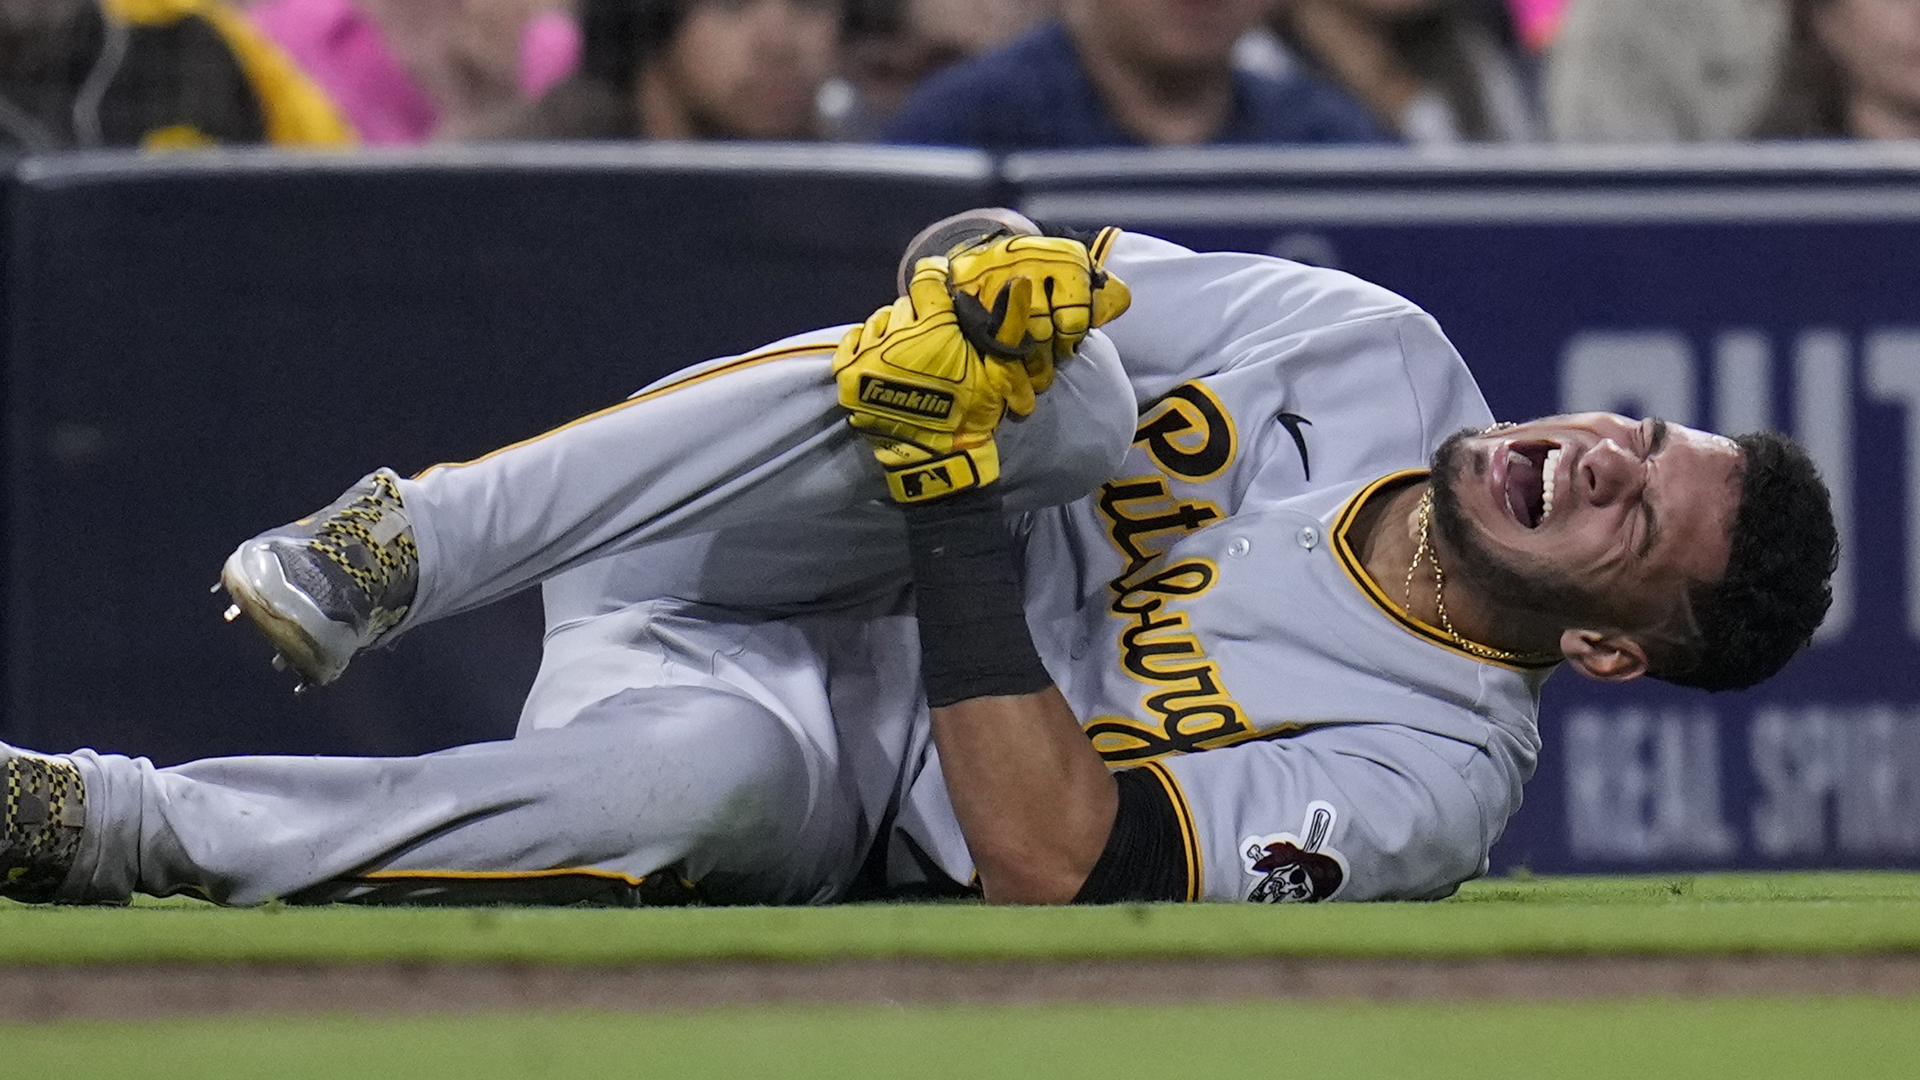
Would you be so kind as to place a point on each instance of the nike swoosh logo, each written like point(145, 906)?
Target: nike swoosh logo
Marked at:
point(1293, 422)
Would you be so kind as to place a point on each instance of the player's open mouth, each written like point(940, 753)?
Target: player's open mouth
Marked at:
point(1531, 468)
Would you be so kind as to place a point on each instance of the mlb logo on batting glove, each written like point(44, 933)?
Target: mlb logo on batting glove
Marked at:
point(928, 398)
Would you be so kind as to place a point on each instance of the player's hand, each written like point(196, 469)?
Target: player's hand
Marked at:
point(925, 396)
point(1070, 294)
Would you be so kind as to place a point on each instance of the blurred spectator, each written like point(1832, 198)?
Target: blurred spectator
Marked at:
point(1662, 70)
point(1435, 71)
point(892, 45)
point(1127, 73)
point(549, 52)
point(1536, 21)
point(406, 70)
point(692, 69)
point(1852, 70)
point(344, 51)
point(161, 74)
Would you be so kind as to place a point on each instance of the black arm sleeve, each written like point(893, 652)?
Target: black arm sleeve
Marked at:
point(974, 640)
point(1143, 858)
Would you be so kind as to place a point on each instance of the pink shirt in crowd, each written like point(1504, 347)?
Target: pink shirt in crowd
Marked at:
point(342, 49)
point(1536, 20)
point(549, 51)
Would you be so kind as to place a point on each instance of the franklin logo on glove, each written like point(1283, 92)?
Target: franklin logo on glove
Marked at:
point(911, 400)
point(928, 378)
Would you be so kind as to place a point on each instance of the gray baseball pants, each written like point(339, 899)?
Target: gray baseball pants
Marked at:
point(728, 696)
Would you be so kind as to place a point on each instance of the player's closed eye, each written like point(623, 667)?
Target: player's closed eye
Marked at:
point(1655, 431)
point(1653, 436)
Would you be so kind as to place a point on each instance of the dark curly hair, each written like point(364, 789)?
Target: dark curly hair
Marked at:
point(617, 36)
point(1777, 587)
point(1809, 95)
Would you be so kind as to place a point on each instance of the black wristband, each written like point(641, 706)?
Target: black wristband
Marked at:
point(1142, 859)
point(974, 640)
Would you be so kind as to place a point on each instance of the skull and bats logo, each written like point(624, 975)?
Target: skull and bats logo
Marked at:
point(1293, 870)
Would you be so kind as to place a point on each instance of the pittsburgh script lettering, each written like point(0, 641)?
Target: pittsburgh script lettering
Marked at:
point(1188, 435)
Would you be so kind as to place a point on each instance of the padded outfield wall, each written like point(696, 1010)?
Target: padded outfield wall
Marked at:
point(203, 346)
point(207, 345)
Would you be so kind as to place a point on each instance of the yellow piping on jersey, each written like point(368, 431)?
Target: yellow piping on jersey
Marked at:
point(1350, 562)
point(1103, 243)
point(498, 875)
point(747, 361)
point(1183, 814)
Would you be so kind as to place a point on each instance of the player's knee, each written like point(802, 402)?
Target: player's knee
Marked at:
point(1080, 435)
point(1108, 411)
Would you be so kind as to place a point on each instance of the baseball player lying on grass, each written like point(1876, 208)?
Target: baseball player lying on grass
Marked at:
point(1255, 602)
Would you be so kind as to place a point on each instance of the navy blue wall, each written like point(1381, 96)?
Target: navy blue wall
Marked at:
point(8, 165)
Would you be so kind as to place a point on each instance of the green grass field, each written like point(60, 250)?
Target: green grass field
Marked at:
point(1709, 914)
point(1703, 914)
point(1839, 1038)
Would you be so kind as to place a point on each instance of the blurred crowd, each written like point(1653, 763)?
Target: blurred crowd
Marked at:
point(995, 74)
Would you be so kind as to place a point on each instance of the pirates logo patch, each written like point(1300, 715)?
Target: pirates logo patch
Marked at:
point(1292, 870)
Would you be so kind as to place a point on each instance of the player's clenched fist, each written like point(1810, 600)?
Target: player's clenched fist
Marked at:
point(924, 394)
point(1070, 293)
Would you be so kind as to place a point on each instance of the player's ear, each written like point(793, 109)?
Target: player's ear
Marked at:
point(1607, 655)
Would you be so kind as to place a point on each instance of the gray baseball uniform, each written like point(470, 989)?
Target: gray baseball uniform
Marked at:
point(729, 697)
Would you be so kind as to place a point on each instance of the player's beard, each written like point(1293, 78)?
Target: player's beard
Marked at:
point(1471, 561)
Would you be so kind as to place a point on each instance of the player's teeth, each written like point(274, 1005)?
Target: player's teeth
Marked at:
point(1547, 471)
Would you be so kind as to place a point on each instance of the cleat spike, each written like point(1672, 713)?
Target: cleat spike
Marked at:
point(299, 688)
point(217, 586)
point(232, 612)
point(279, 662)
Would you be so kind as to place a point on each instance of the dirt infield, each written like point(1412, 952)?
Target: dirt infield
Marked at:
point(128, 992)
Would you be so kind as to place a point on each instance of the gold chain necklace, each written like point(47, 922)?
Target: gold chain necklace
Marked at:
point(1423, 552)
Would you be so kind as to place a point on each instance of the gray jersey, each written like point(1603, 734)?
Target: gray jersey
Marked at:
point(1189, 620)
point(1205, 598)
point(729, 688)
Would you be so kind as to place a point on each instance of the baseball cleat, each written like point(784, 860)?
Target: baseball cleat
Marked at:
point(40, 823)
point(331, 584)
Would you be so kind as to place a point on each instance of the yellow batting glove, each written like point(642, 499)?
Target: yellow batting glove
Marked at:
point(1071, 293)
point(924, 395)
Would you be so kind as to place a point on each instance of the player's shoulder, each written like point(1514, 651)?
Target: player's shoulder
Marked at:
point(1296, 292)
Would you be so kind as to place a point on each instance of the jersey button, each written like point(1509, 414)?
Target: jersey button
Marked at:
point(1239, 546)
point(1309, 536)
